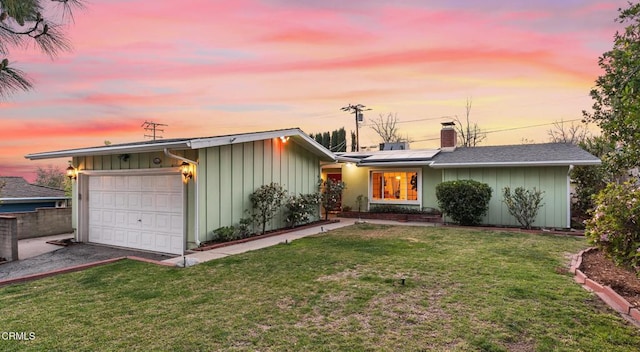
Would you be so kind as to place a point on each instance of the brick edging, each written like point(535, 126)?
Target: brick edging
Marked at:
point(79, 267)
point(607, 294)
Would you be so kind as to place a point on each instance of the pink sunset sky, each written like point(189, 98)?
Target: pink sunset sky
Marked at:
point(208, 68)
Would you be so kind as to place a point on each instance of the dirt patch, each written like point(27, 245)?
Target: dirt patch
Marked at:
point(603, 271)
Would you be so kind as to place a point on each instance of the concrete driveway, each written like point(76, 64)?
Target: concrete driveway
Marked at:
point(42, 257)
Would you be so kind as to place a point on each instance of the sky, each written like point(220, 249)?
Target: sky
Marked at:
point(207, 68)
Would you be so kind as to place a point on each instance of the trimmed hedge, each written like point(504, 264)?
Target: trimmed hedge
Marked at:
point(465, 201)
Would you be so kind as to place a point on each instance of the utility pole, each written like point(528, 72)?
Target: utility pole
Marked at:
point(153, 127)
point(357, 110)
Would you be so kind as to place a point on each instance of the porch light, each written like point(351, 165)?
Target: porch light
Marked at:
point(284, 139)
point(72, 173)
point(185, 169)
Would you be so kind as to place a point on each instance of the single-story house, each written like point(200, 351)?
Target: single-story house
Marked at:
point(409, 178)
point(18, 195)
point(168, 195)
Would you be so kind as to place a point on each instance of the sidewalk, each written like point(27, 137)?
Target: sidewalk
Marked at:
point(222, 252)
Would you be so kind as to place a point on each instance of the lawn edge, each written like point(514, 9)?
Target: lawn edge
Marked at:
point(607, 294)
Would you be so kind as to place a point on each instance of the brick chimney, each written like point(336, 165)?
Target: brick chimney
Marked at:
point(448, 137)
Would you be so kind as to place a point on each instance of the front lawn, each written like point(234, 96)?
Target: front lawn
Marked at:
point(464, 291)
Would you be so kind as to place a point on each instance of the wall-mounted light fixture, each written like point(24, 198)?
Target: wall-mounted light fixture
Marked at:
point(284, 139)
point(185, 169)
point(72, 173)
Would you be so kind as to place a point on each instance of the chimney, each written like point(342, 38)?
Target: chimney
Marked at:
point(448, 137)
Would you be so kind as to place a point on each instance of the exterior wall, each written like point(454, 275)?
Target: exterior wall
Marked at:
point(228, 174)
point(8, 237)
point(552, 180)
point(356, 180)
point(43, 222)
point(136, 162)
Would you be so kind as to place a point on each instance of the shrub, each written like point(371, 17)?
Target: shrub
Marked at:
point(523, 204)
point(225, 234)
point(465, 201)
point(394, 209)
point(301, 208)
point(331, 195)
point(614, 226)
point(266, 202)
point(361, 200)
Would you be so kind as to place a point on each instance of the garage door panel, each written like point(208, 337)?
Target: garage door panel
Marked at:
point(142, 212)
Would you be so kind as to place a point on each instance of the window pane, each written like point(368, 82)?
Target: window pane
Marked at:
point(412, 189)
point(377, 185)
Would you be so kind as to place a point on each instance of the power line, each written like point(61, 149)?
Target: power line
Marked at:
point(505, 129)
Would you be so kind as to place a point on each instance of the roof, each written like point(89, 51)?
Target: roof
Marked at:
point(191, 143)
point(548, 154)
point(19, 188)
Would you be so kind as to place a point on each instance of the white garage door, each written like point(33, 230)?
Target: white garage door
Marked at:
point(142, 212)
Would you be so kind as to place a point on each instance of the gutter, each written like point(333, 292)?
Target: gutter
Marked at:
point(197, 200)
point(437, 165)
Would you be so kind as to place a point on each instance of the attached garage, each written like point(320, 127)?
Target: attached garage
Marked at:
point(137, 211)
point(170, 195)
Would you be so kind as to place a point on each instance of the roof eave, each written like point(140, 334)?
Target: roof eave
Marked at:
point(109, 150)
point(396, 163)
point(437, 165)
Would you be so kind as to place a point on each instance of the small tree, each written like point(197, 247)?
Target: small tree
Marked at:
point(465, 201)
point(266, 202)
point(331, 195)
point(469, 135)
point(386, 128)
point(523, 204)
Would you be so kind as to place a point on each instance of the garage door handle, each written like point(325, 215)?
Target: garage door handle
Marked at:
point(139, 220)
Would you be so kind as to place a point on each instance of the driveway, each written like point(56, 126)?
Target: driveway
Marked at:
point(65, 257)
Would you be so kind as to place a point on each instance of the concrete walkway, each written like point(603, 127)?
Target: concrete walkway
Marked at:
point(32, 247)
point(205, 256)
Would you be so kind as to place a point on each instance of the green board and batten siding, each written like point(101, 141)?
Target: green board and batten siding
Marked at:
point(228, 174)
point(553, 181)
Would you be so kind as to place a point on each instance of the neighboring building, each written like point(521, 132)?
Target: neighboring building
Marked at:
point(409, 177)
point(169, 195)
point(18, 195)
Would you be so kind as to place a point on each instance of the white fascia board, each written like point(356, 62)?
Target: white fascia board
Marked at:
point(345, 159)
point(240, 138)
point(397, 163)
point(295, 133)
point(515, 164)
point(108, 150)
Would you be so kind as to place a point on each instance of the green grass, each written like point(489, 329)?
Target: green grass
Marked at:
point(464, 291)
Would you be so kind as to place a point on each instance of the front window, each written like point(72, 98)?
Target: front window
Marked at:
point(394, 185)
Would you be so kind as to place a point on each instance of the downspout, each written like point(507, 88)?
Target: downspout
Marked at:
point(569, 196)
point(197, 201)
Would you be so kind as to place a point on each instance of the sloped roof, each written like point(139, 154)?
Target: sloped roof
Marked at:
point(18, 187)
point(191, 143)
point(548, 154)
point(390, 157)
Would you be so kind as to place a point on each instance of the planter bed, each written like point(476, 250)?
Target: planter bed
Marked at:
point(212, 245)
point(392, 216)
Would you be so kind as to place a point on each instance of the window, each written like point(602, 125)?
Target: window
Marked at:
point(394, 186)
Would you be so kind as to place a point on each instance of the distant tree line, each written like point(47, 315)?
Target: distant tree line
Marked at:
point(336, 140)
